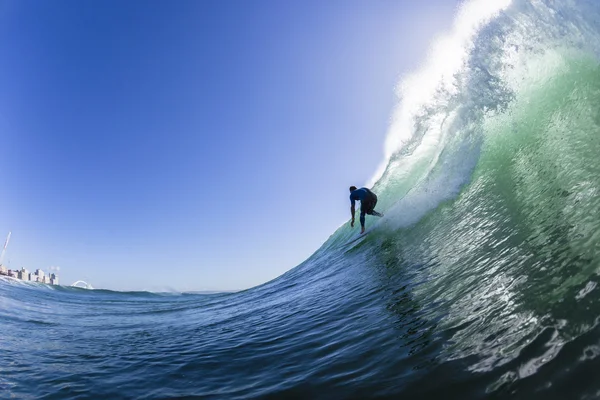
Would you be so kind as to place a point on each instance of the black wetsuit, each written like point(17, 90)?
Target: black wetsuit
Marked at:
point(368, 201)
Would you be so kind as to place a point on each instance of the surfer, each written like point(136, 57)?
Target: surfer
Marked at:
point(368, 201)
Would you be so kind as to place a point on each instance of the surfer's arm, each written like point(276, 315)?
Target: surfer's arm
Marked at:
point(352, 213)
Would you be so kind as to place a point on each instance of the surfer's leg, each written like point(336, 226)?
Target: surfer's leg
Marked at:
point(375, 213)
point(370, 207)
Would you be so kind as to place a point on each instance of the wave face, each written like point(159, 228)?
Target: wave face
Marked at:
point(481, 281)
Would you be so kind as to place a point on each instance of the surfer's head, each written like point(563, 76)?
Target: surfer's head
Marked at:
point(352, 188)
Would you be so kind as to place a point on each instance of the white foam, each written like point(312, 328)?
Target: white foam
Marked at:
point(447, 56)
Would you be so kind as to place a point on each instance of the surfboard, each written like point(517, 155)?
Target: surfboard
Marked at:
point(367, 231)
point(359, 237)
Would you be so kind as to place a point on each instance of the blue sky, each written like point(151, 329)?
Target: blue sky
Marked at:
point(194, 145)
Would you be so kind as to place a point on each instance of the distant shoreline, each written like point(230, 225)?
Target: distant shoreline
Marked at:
point(37, 277)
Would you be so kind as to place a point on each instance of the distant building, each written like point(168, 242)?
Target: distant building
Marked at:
point(37, 276)
point(23, 274)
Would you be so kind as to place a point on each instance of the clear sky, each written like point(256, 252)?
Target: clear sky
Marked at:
point(194, 145)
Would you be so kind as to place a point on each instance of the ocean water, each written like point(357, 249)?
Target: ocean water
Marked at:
point(480, 282)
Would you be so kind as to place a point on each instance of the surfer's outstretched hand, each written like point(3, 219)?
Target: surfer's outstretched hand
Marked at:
point(352, 223)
